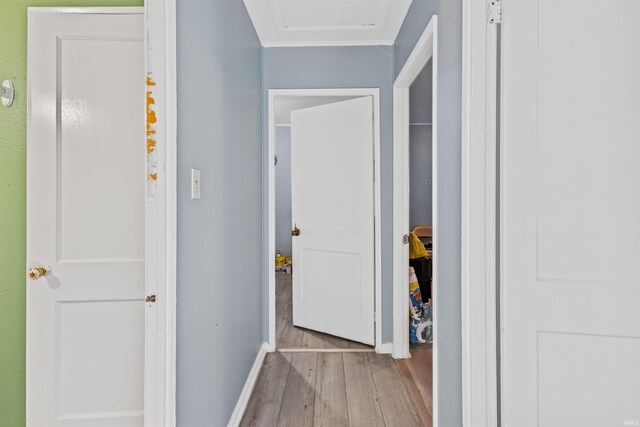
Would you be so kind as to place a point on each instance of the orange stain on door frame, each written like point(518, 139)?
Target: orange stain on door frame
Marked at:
point(152, 120)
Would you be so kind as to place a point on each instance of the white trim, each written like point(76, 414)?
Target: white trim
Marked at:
point(269, 271)
point(245, 395)
point(330, 43)
point(479, 317)
point(425, 50)
point(127, 10)
point(325, 350)
point(160, 336)
point(386, 348)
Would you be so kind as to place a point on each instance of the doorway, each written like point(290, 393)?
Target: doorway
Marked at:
point(303, 112)
point(418, 78)
point(415, 223)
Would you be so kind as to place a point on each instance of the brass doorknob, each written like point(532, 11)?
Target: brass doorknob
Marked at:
point(37, 272)
point(295, 231)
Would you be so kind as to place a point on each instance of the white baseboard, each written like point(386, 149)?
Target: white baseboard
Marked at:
point(243, 400)
point(386, 348)
point(399, 352)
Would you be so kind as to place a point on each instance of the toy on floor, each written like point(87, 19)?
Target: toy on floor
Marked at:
point(421, 315)
point(284, 264)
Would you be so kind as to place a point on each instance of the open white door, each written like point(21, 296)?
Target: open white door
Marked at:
point(85, 218)
point(333, 209)
point(571, 213)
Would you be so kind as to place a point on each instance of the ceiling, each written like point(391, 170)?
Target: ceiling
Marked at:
point(327, 22)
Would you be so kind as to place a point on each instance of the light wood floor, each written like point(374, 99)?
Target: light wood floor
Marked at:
point(305, 389)
point(292, 337)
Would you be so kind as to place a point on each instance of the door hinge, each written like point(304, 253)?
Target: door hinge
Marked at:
point(405, 239)
point(494, 14)
point(275, 160)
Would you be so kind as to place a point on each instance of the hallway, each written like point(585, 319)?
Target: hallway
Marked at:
point(350, 385)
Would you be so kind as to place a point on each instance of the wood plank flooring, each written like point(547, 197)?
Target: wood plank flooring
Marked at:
point(292, 337)
point(417, 373)
point(318, 389)
point(338, 389)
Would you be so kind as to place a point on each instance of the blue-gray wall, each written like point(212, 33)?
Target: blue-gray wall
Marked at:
point(283, 190)
point(345, 67)
point(420, 161)
point(420, 149)
point(447, 253)
point(421, 96)
point(219, 237)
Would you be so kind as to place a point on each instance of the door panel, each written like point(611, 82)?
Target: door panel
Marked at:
point(332, 205)
point(97, 159)
point(85, 209)
point(570, 229)
point(95, 354)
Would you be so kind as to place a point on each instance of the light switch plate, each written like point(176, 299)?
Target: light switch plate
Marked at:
point(195, 183)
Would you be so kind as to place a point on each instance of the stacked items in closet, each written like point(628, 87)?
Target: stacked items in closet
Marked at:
point(421, 315)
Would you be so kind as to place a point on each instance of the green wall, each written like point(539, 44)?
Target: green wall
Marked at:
point(13, 66)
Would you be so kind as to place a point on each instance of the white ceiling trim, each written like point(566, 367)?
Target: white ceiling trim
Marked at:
point(327, 22)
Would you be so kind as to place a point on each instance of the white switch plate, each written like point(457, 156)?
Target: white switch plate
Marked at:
point(195, 183)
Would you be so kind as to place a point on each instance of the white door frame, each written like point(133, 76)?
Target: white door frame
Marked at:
point(269, 271)
point(160, 215)
point(426, 49)
point(479, 199)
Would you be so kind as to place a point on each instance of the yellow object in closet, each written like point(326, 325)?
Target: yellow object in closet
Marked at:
point(416, 247)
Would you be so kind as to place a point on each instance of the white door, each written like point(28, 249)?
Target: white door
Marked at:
point(85, 219)
point(571, 213)
point(332, 206)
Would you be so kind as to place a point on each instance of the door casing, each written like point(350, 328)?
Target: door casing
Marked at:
point(269, 271)
point(161, 213)
point(480, 322)
point(479, 261)
point(426, 50)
